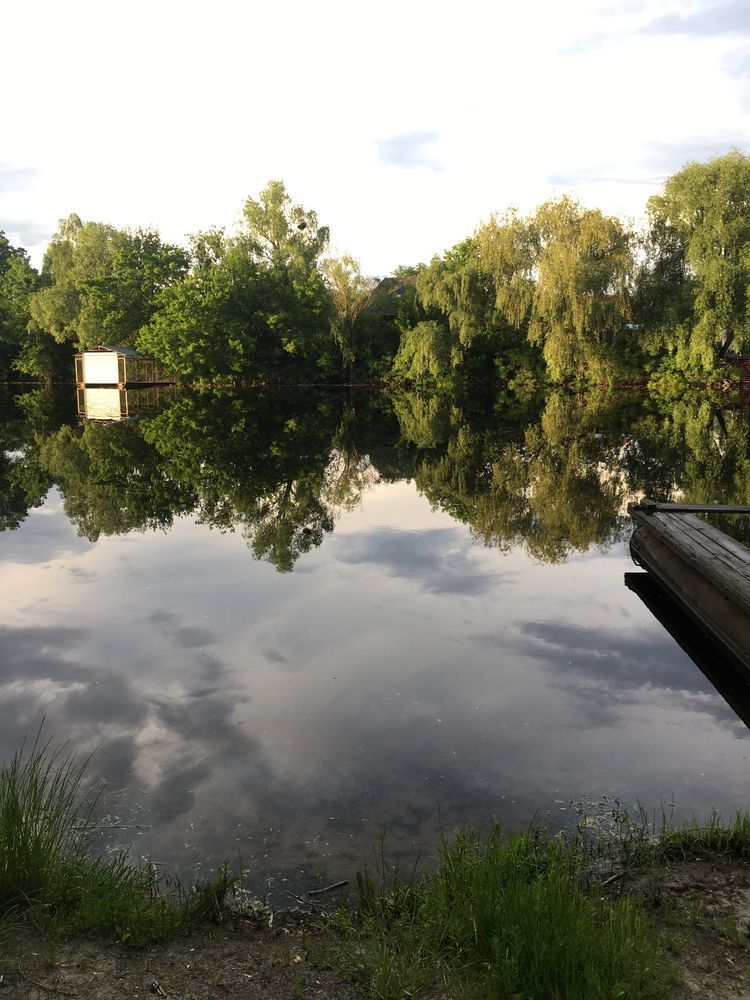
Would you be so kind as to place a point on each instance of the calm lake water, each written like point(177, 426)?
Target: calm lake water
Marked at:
point(286, 621)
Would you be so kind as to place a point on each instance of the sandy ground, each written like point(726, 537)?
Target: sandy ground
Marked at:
point(702, 910)
point(241, 958)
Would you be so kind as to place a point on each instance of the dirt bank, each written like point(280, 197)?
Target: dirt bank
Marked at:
point(701, 909)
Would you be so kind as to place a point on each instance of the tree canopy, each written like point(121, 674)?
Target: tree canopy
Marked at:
point(699, 243)
point(100, 284)
point(565, 294)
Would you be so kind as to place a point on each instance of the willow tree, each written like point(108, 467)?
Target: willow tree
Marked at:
point(427, 352)
point(458, 286)
point(699, 268)
point(564, 275)
point(457, 322)
point(350, 293)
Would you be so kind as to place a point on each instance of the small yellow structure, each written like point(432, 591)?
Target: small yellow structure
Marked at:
point(110, 365)
point(108, 404)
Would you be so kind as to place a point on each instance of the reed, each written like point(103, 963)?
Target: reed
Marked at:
point(47, 877)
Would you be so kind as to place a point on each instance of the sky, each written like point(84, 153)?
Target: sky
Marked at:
point(403, 124)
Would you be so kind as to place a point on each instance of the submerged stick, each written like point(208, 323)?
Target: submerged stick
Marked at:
point(328, 888)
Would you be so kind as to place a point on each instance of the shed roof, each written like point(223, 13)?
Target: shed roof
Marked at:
point(127, 352)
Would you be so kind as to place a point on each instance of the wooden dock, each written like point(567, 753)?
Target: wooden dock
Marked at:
point(704, 570)
point(708, 656)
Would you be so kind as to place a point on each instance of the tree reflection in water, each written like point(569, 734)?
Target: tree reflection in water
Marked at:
point(553, 476)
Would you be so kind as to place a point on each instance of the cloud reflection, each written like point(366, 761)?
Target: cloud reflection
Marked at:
point(605, 669)
point(438, 559)
point(45, 535)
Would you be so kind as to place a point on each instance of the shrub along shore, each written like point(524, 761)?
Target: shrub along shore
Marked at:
point(639, 914)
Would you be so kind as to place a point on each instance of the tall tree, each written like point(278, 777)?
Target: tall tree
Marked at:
point(284, 234)
point(699, 271)
point(565, 274)
point(351, 292)
point(100, 283)
point(458, 286)
point(286, 242)
point(18, 280)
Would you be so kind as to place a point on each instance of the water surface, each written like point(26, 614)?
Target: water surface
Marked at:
point(285, 622)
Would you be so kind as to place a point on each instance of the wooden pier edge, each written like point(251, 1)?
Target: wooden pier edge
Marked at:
point(706, 572)
point(710, 659)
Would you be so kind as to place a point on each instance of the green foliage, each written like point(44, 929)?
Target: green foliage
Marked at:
point(565, 286)
point(559, 281)
point(111, 480)
point(46, 875)
point(350, 294)
point(254, 307)
point(450, 324)
point(426, 353)
point(208, 326)
point(460, 289)
point(425, 419)
point(509, 247)
point(564, 275)
point(545, 481)
point(551, 475)
point(24, 421)
point(18, 280)
point(283, 234)
point(699, 271)
point(502, 916)
point(255, 466)
point(100, 284)
point(286, 242)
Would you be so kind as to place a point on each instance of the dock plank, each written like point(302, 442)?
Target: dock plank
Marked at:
point(707, 572)
point(718, 612)
point(701, 542)
point(724, 562)
point(713, 535)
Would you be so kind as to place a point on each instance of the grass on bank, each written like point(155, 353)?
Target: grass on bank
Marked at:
point(644, 843)
point(504, 916)
point(47, 878)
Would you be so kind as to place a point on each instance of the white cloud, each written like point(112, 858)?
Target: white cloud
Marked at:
point(171, 114)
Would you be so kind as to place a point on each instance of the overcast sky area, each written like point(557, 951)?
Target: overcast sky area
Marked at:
point(403, 124)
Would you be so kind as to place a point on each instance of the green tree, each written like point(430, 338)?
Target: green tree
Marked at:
point(565, 274)
point(286, 242)
point(101, 284)
point(458, 286)
point(253, 306)
point(18, 280)
point(697, 278)
point(426, 353)
point(210, 324)
point(284, 235)
point(350, 293)
point(474, 335)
